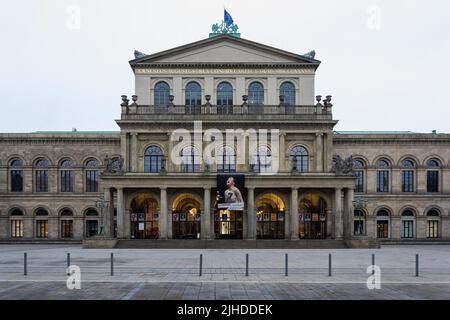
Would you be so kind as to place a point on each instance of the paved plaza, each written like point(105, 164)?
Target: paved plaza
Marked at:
point(175, 273)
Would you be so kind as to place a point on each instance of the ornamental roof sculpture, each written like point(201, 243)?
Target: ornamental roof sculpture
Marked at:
point(227, 26)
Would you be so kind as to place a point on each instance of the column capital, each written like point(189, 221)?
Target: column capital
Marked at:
point(163, 188)
point(319, 134)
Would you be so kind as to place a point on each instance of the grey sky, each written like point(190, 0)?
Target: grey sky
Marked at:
point(390, 73)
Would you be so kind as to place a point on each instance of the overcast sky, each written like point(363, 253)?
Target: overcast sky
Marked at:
point(386, 62)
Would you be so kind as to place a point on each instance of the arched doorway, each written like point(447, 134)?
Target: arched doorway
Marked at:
point(144, 217)
point(383, 220)
point(270, 210)
point(312, 217)
point(186, 217)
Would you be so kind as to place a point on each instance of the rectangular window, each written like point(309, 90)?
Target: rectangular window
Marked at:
point(91, 181)
point(16, 181)
point(41, 180)
point(432, 229)
point(359, 185)
point(66, 228)
point(382, 181)
point(16, 228)
point(432, 181)
point(67, 180)
point(408, 181)
point(407, 229)
point(41, 228)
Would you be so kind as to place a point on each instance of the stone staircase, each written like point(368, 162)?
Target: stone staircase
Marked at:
point(230, 244)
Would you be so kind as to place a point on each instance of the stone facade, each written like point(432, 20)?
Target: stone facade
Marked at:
point(127, 185)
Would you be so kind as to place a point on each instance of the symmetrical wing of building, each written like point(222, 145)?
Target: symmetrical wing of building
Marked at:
point(315, 183)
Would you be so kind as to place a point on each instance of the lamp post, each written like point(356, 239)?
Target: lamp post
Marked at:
point(101, 203)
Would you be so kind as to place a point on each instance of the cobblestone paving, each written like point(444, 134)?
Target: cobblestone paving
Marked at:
point(174, 274)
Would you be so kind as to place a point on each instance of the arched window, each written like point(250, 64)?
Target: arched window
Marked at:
point(153, 159)
point(224, 94)
point(383, 169)
point(91, 175)
point(16, 222)
point(256, 93)
point(433, 175)
point(16, 174)
point(408, 167)
point(41, 175)
point(66, 175)
point(66, 217)
point(359, 223)
point(226, 160)
point(383, 224)
point(407, 224)
point(287, 90)
point(299, 159)
point(161, 94)
point(41, 223)
point(190, 159)
point(262, 160)
point(358, 168)
point(433, 218)
point(193, 94)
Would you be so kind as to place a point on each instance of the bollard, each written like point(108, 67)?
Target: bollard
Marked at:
point(246, 264)
point(286, 260)
point(417, 265)
point(68, 260)
point(112, 264)
point(201, 265)
point(329, 264)
point(25, 271)
point(373, 263)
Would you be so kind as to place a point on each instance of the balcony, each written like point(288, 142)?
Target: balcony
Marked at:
point(227, 113)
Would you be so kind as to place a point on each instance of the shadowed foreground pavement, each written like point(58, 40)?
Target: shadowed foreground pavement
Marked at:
point(218, 290)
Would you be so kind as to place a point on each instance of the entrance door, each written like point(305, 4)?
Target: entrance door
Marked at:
point(144, 218)
point(382, 229)
point(270, 217)
point(228, 224)
point(312, 217)
point(186, 217)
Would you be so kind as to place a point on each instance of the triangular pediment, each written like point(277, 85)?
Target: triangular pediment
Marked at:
point(225, 50)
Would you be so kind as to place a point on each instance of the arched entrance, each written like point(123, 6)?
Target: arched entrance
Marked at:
point(144, 217)
point(270, 210)
point(312, 217)
point(186, 217)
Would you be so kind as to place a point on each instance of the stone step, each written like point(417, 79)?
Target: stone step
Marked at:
point(230, 244)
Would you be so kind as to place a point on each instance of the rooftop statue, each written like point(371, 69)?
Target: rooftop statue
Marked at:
point(227, 26)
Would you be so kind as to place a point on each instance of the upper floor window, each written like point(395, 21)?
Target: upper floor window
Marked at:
point(262, 160)
point(358, 167)
point(161, 94)
point(226, 160)
point(224, 94)
point(190, 159)
point(153, 159)
point(433, 175)
point(91, 175)
point(383, 169)
point(16, 174)
point(256, 93)
point(287, 90)
point(408, 167)
point(193, 94)
point(299, 159)
point(66, 175)
point(41, 175)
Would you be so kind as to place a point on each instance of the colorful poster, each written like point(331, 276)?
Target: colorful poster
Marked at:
point(230, 189)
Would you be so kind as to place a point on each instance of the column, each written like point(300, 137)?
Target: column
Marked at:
point(126, 224)
point(107, 214)
point(319, 152)
point(294, 214)
point(206, 215)
point(348, 212)
point(124, 149)
point(163, 214)
point(251, 221)
point(338, 225)
point(120, 214)
point(284, 165)
point(134, 155)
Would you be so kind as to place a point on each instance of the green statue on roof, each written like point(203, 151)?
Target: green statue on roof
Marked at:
point(226, 27)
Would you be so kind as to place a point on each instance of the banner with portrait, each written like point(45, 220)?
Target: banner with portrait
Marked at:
point(230, 190)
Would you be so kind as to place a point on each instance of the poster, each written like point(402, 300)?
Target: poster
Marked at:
point(141, 226)
point(230, 188)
